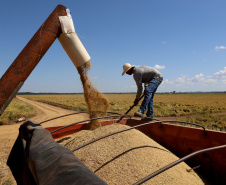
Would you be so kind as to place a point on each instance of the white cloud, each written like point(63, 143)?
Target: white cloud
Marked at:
point(220, 47)
point(96, 77)
point(196, 79)
point(220, 74)
point(164, 42)
point(159, 67)
point(180, 80)
point(166, 81)
point(199, 79)
point(210, 81)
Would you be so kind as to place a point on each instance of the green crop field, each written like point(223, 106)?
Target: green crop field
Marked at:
point(207, 109)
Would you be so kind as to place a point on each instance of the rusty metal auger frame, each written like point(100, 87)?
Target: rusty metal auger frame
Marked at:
point(26, 61)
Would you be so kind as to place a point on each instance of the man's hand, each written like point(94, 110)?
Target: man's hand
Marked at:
point(136, 101)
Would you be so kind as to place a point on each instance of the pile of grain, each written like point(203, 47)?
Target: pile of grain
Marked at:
point(97, 104)
point(127, 157)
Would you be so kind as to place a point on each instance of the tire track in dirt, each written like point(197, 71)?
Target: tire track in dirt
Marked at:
point(9, 133)
point(46, 112)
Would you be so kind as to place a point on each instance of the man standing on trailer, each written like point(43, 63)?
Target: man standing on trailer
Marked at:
point(151, 78)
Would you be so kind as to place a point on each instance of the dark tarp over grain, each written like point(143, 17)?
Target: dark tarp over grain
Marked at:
point(37, 159)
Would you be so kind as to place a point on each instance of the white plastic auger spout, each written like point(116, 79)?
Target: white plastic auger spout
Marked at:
point(71, 43)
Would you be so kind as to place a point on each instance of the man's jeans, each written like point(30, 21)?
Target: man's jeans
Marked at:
point(147, 103)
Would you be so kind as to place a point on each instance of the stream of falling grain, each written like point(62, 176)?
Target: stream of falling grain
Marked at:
point(97, 103)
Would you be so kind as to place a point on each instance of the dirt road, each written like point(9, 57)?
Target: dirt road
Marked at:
point(9, 133)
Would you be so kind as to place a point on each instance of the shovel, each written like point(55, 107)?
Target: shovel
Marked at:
point(129, 109)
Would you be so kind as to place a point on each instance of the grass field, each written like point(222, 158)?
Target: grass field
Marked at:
point(205, 109)
point(15, 110)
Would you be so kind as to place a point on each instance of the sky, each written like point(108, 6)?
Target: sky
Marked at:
point(184, 40)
